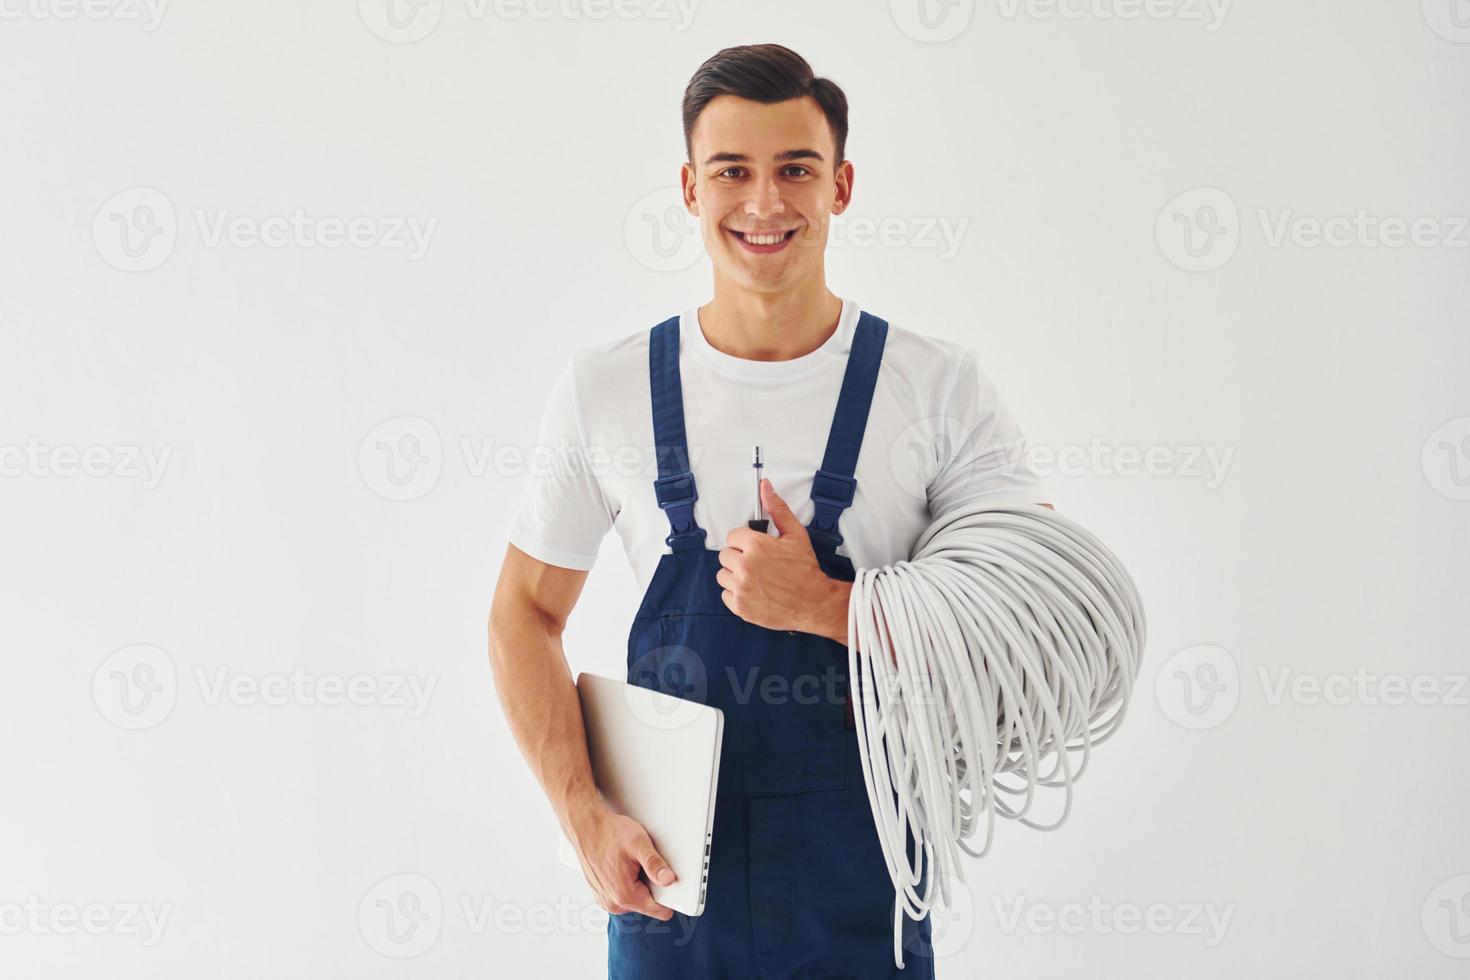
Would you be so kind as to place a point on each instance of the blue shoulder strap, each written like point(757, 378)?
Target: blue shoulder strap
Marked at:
point(834, 485)
point(674, 487)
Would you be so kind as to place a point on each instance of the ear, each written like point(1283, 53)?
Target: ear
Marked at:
point(688, 190)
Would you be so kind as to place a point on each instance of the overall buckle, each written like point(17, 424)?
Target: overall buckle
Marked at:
point(667, 490)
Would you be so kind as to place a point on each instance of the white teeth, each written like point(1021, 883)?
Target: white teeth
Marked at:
point(763, 239)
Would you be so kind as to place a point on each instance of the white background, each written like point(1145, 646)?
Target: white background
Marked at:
point(291, 388)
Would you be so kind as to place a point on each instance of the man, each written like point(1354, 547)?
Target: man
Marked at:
point(879, 428)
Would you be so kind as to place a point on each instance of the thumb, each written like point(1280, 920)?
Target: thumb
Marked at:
point(781, 514)
point(653, 863)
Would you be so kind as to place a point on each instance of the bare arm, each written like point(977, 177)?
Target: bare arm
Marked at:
point(532, 603)
point(528, 614)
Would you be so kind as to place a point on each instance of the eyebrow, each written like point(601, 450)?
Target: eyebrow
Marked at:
point(785, 156)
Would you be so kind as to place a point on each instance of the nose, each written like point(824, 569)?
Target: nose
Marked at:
point(765, 198)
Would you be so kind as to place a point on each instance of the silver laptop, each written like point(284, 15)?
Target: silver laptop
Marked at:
point(656, 758)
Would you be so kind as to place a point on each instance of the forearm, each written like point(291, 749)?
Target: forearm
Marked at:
point(540, 703)
point(831, 615)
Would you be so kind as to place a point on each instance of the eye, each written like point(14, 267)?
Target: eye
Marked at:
point(728, 170)
point(796, 166)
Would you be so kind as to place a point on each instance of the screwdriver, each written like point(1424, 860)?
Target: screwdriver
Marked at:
point(760, 523)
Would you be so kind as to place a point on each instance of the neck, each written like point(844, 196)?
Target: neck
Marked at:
point(770, 326)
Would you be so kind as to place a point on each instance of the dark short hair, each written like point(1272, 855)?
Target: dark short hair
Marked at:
point(763, 73)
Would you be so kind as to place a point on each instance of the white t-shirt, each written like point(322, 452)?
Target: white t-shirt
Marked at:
point(938, 435)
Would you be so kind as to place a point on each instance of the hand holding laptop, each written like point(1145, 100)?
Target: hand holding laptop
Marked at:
point(616, 852)
point(655, 759)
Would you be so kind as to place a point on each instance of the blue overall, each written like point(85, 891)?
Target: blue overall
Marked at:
point(797, 882)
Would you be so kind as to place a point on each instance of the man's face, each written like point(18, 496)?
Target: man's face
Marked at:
point(764, 184)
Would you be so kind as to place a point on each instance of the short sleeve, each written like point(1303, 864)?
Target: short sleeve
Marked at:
point(563, 514)
point(983, 448)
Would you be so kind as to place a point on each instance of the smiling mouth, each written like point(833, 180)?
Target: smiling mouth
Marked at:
point(765, 242)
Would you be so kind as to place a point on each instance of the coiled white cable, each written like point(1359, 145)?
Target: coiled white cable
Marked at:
point(1012, 640)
